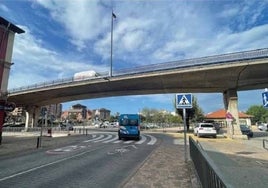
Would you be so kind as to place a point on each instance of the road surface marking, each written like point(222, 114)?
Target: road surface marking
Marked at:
point(48, 164)
point(107, 138)
point(143, 139)
point(97, 138)
point(153, 140)
point(111, 140)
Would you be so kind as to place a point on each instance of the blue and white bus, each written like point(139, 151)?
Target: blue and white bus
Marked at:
point(129, 126)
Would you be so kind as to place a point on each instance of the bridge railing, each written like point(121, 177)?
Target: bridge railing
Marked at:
point(216, 59)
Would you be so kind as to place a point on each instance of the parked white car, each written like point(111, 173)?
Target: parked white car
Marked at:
point(205, 129)
point(263, 127)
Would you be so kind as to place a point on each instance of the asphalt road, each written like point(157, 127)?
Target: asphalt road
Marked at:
point(96, 160)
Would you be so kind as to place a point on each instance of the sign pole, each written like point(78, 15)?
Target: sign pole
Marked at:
point(185, 144)
point(183, 101)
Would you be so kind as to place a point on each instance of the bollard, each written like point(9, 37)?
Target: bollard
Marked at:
point(49, 132)
point(37, 145)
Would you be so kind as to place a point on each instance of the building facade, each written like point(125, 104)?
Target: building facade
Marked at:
point(101, 114)
point(77, 113)
point(220, 117)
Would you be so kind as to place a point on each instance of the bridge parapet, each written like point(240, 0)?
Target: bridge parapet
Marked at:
point(195, 62)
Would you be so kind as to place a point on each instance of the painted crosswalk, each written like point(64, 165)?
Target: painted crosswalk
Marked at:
point(106, 138)
point(113, 138)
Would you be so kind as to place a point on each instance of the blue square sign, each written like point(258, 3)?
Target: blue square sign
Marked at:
point(265, 99)
point(184, 100)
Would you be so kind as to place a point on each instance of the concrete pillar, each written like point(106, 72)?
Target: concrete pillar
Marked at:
point(32, 115)
point(231, 106)
point(7, 34)
point(26, 120)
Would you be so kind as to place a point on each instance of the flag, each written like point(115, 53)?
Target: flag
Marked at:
point(114, 16)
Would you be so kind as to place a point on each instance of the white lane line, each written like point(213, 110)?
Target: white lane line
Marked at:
point(45, 165)
point(97, 138)
point(143, 139)
point(107, 138)
point(115, 138)
point(153, 140)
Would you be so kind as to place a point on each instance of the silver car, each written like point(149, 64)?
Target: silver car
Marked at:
point(205, 129)
point(263, 127)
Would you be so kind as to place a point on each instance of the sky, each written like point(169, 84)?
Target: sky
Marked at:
point(63, 37)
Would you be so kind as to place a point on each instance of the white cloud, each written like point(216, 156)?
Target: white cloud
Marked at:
point(4, 8)
point(34, 63)
point(84, 20)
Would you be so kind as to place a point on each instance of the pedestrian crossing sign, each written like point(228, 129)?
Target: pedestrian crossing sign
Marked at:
point(265, 99)
point(184, 100)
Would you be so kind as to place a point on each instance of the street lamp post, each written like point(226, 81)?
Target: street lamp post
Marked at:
point(112, 25)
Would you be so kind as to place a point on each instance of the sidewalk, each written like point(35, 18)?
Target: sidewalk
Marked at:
point(243, 163)
point(166, 168)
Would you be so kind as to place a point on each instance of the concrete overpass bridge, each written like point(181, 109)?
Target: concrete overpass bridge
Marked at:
point(227, 74)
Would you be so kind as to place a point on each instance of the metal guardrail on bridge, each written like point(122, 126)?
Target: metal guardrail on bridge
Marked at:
point(209, 60)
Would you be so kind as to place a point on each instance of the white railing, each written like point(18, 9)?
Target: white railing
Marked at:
point(209, 60)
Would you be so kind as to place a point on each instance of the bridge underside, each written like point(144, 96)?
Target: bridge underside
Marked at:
point(246, 75)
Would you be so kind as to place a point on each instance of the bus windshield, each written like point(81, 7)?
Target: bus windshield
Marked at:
point(129, 122)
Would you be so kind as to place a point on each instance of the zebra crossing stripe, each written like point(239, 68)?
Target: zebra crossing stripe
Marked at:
point(97, 138)
point(143, 139)
point(107, 138)
point(153, 140)
point(107, 141)
point(128, 142)
point(118, 141)
point(112, 138)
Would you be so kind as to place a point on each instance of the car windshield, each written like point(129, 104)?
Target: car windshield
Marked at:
point(244, 127)
point(206, 125)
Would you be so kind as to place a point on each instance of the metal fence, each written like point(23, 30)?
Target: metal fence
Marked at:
point(209, 60)
point(207, 171)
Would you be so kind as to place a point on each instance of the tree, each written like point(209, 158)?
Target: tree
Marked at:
point(195, 113)
point(259, 112)
point(158, 116)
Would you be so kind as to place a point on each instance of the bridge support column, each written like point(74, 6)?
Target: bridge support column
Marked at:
point(231, 106)
point(32, 114)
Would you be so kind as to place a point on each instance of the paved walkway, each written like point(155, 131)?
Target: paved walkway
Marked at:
point(242, 163)
point(166, 168)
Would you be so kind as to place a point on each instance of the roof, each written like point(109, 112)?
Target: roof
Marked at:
point(10, 26)
point(221, 114)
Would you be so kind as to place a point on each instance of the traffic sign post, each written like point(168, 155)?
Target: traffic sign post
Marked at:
point(265, 98)
point(184, 101)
